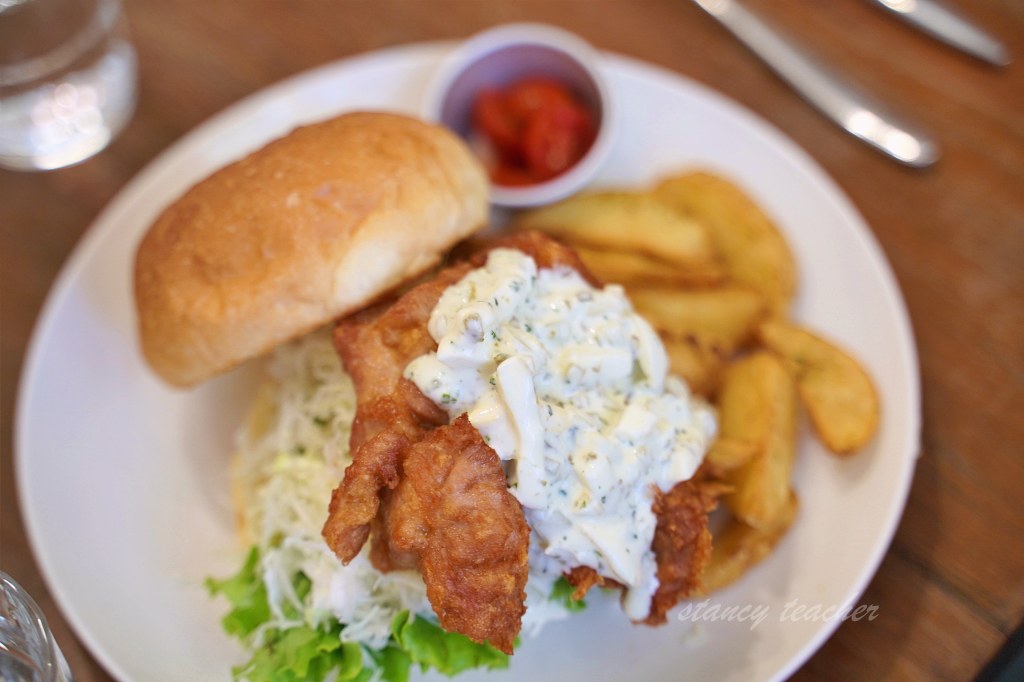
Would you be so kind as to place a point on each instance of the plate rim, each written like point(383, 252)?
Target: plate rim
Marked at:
point(108, 219)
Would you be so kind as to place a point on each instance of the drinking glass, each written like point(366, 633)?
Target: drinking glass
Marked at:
point(67, 80)
point(28, 651)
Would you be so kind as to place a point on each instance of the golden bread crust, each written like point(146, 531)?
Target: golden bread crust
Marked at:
point(311, 227)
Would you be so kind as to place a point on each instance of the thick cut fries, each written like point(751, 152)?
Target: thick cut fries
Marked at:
point(757, 404)
point(701, 328)
point(627, 221)
point(726, 454)
point(638, 268)
point(754, 250)
point(720, 319)
point(833, 387)
point(738, 547)
point(700, 367)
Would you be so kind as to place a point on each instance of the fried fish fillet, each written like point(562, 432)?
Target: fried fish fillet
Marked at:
point(681, 544)
point(391, 413)
point(452, 510)
point(375, 346)
point(434, 496)
point(471, 542)
point(356, 501)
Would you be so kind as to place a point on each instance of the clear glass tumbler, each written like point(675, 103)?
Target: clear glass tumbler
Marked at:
point(28, 651)
point(67, 80)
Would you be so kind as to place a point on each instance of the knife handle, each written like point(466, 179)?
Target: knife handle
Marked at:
point(950, 27)
point(847, 106)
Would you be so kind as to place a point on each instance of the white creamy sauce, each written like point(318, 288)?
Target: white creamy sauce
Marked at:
point(571, 389)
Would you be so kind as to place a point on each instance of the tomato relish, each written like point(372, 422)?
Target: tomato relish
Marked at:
point(536, 129)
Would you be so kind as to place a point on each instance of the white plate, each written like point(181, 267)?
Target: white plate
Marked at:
point(124, 485)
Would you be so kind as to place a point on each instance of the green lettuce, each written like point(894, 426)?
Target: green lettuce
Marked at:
point(427, 644)
point(304, 653)
point(247, 595)
point(308, 652)
point(562, 592)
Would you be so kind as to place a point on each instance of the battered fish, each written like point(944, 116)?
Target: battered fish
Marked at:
point(471, 541)
point(434, 496)
point(375, 346)
point(681, 544)
point(452, 510)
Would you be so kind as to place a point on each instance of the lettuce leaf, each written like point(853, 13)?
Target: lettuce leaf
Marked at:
point(562, 592)
point(430, 646)
point(294, 654)
point(305, 652)
point(248, 596)
point(393, 663)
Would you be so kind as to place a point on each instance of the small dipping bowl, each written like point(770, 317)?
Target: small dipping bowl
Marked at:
point(499, 57)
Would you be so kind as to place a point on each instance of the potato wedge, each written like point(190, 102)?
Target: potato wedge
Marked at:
point(701, 368)
point(726, 454)
point(757, 404)
point(701, 328)
point(836, 391)
point(717, 320)
point(752, 247)
point(739, 547)
point(632, 222)
point(636, 269)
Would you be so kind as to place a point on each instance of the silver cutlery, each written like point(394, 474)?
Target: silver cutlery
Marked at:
point(950, 27)
point(850, 108)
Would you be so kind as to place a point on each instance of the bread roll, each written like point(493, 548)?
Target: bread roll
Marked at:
point(309, 228)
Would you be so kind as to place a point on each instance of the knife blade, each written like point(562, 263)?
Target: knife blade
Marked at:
point(850, 108)
point(944, 23)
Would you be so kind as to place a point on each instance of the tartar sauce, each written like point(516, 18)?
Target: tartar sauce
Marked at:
point(571, 388)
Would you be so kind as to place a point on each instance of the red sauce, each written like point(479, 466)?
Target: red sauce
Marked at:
point(536, 128)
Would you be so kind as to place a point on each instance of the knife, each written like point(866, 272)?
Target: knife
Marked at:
point(851, 109)
point(943, 23)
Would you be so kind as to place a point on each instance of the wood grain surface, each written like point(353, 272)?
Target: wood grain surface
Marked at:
point(951, 588)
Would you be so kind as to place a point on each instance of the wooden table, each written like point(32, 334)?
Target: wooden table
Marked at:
point(951, 589)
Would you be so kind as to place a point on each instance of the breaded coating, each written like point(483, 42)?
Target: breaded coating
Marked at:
point(453, 510)
point(582, 578)
point(435, 497)
point(355, 502)
point(375, 346)
point(681, 544)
